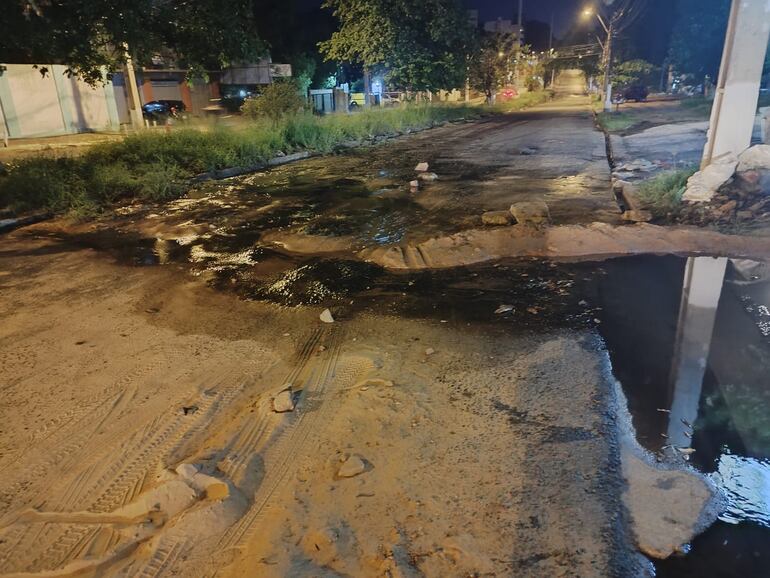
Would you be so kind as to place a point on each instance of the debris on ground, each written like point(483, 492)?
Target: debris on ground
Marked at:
point(427, 177)
point(284, 401)
point(744, 197)
point(430, 351)
point(326, 316)
point(703, 185)
point(637, 216)
point(497, 218)
point(414, 185)
point(352, 467)
point(503, 309)
point(421, 167)
point(531, 213)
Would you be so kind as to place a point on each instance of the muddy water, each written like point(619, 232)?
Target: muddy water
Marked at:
point(689, 341)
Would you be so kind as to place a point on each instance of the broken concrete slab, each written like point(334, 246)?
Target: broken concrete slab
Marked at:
point(637, 216)
point(531, 213)
point(352, 467)
point(427, 177)
point(668, 507)
point(326, 316)
point(754, 158)
point(628, 195)
point(703, 185)
point(421, 167)
point(283, 402)
point(497, 218)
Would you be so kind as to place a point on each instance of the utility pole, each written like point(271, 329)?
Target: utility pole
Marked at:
point(607, 67)
point(134, 103)
point(740, 75)
point(550, 50)
point(517, 50)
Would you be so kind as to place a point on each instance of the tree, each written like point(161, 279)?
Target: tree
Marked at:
point(633, 72)
point(291, 31)
point(490, 64)
point(698, 37)
point(90, 35)
point(531, 69)
point(417, 44)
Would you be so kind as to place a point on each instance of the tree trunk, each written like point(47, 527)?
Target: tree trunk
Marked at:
point(367, 88)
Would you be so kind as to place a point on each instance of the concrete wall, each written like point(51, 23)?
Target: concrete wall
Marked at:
point(34, 105)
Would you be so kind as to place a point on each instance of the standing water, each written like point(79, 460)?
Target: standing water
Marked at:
point(690, 343)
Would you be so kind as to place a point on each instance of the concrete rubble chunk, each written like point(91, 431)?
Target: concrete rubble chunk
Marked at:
point(754, 158)
point(637, 216)
point(284, 401)
point(638, 165)
point(684, 504)
point(531, 213)
point(497, 218)
point(427, 177)
point(421, 167)
point(414, 185)
point(326, 316)
point(703, 185)
point(353, 466)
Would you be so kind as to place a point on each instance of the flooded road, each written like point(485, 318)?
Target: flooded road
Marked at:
point(487, 382)
point(689, 341)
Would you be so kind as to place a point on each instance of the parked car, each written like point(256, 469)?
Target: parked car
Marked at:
point(636, 92)
point(163, 110)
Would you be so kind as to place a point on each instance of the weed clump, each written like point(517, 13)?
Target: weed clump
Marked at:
point(662, 194)
point(157, 166)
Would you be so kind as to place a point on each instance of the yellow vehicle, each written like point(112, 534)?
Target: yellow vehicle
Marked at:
point(357, 99)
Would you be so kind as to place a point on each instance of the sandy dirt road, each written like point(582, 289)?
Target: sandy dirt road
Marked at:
point(487, 451)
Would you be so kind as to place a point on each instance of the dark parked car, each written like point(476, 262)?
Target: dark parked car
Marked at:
point(163, 110)
point(637, 93)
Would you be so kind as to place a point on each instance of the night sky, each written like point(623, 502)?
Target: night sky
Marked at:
point(647, 39)
point(565, 12)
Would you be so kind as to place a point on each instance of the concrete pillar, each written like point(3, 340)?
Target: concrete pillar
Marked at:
point(703, 280)
point(740, 75)
point(134, 102)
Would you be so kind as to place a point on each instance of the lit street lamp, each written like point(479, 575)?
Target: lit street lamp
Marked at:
point(607, 50)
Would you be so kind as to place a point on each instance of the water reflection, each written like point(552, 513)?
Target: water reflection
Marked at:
point(702, 289)
point(745, 480)
point(689, 342)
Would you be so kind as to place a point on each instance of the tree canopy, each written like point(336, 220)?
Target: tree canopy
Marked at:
point(698, 36)
point(89, 35)
point(417, 44)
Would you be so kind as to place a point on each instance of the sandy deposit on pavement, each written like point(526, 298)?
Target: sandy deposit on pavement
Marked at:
point(139, 438)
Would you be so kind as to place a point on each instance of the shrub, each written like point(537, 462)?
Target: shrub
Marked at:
point(277, 100)
point(43, 183)
point(662, 194)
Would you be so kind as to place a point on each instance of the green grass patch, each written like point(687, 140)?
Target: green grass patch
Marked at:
point(617, 121)
point(525, 100)
point(662, 194)
point(156, 166)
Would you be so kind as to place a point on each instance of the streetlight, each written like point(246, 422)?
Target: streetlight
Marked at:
point(607, 49)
